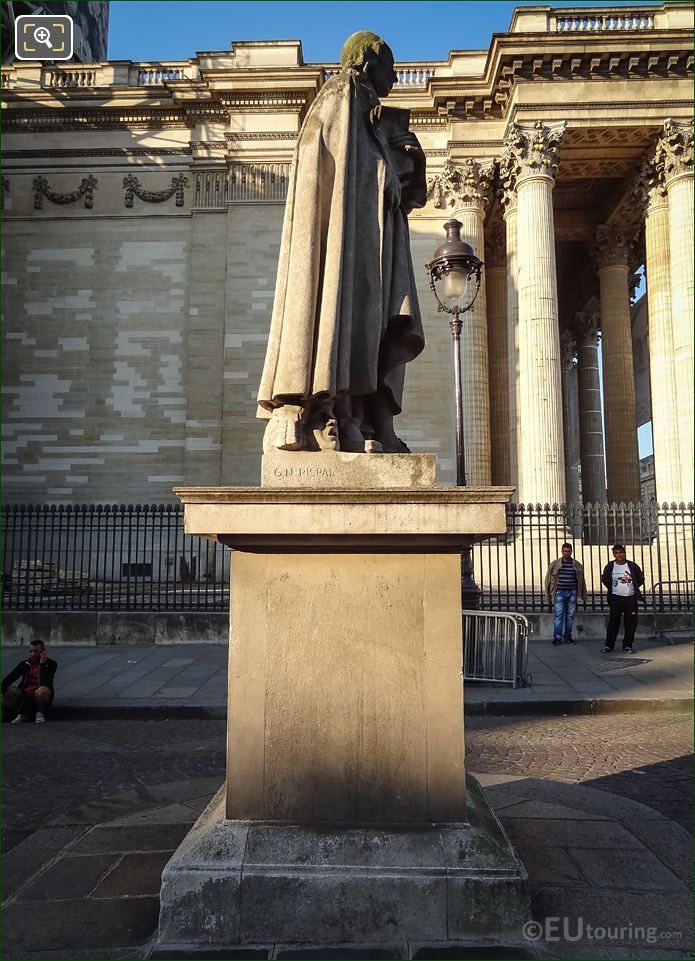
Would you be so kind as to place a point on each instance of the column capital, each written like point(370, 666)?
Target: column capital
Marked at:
point(649, 188)
point(496, 247)
point(461, 185)
point(612, 246)
point(674, 151)
point(530, 151)
point(585, 326)
point(568, 350)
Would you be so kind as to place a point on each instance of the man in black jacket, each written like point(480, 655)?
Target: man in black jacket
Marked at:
point(32, 697)
point(623, 579)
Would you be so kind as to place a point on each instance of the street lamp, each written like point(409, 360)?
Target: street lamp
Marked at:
point(457, 268)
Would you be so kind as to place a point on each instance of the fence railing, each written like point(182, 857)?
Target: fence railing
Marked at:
point(510, 568)
point(139, 558)
point(109, 557)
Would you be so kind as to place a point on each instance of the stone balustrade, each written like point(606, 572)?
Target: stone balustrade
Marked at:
point(571, 22)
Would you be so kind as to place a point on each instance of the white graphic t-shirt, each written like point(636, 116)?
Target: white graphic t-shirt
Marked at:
point(622, 580)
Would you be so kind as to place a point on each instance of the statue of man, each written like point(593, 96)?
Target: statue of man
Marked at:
point(346, 319)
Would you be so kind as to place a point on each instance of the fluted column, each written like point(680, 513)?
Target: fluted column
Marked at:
point(496, 288)
point(651, 191)
point(541, 462)
point(675, 152)
point(622, 459)
point(585, 327)
point(469, 208)
point(512, 338)
point(461, 188)
point(569, 425)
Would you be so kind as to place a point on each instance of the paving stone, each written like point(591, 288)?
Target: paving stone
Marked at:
point(145, 837)
point(618, 909)
point(670, 844)
point(635, 870)
point(578, 951)
point(550, 866)
point(80, 924)
point(166, 814)
point(134, 875)
point(328, 954)
point(70, 877)
point(26, 859)
point(207, 953)
point(177, 692)
point(474, 952)
point(541, 809)
point(565, 833)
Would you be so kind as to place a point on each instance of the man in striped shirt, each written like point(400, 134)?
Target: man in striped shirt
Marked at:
point(563, 583)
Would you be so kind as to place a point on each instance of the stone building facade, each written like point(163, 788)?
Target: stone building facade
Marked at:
point(143, 204)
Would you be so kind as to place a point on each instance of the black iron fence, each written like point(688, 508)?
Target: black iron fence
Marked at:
point(138, 557)
point(109, 557)
point(510, 568)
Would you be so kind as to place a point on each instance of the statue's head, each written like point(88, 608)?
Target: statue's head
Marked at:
point(369, 54)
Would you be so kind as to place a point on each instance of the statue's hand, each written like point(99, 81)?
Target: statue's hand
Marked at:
point(407, 142)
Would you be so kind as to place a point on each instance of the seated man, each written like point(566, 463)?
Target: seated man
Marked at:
point(32, 697)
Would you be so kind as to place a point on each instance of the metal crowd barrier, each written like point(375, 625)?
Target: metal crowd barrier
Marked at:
point(495, 647)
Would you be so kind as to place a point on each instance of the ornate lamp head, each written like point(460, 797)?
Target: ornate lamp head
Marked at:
point(455, 265)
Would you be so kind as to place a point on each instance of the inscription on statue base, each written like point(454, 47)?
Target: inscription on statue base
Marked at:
point(339, 470)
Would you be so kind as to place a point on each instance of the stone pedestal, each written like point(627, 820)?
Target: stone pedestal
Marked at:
point(345, 814)
point(246, 882)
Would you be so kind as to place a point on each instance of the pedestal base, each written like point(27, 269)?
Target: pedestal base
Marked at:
point(248, 882)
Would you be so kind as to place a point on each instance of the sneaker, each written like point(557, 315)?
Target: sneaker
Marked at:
point(628, 650)
point(556, 641)
point(21, 718)
point(40, 717)
point(606, 650)
point(570, 640)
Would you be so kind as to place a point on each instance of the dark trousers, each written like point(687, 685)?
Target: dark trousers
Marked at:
point(621, 607)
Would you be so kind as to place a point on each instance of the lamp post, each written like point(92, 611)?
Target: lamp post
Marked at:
point(456, 266)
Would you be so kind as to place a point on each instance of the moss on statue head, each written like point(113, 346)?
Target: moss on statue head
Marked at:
point(362, 47)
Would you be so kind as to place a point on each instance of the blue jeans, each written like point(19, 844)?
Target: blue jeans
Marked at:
point(565, 609)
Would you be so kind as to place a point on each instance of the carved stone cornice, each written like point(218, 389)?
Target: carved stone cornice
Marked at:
point(86, 190)
point(586, 324)
point(674, 151)
point(612, 246)
point(496, 247)
point(461, 185)
point(133, 188)
point(530, 152)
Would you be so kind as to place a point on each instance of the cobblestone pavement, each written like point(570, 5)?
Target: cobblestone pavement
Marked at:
point(95, 808)
point(50, 769)
point(644, 757)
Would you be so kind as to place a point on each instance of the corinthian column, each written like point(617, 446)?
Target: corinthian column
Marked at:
point(651, 191)
point(675, 153)
point(470, 199)
point(569, 410)
point(508, 199)
point(622, 460)
point(496, 288)
point(531, 160)
point(586, 325)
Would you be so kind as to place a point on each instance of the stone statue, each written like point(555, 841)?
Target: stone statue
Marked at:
point(346, 319)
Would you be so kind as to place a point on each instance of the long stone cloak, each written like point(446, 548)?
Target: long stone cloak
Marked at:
point(345, 316)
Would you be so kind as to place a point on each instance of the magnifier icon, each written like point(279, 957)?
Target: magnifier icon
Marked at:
point(43, 35)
